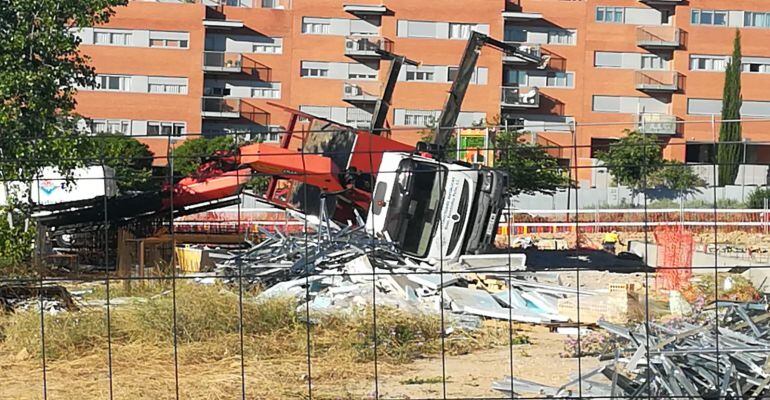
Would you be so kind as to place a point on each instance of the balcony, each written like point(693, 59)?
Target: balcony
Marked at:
point(366, 46)
point(229, 3)
point(235, 63)
point(362, 9)
point(659, 37)
point(360, 92)
point(533, 49)
point(662, 2)
point(657, 124)
point(233, 108)
point(520, 97)
point(657, 81)
point(215, 61)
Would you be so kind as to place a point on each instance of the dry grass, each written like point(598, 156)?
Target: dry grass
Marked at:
point(275, 348)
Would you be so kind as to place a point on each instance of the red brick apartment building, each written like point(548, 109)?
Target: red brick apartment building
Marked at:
point(170, 67)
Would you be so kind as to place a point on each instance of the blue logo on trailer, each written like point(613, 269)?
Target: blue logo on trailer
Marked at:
point(48, 187)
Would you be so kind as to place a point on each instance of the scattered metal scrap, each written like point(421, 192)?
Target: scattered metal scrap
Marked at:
point(336, 268)
point(727, 356)
point(14, 296)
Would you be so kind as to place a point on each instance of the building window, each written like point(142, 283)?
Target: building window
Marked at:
point(112, 38)
point(560, 79)
point(315, 72)
point(266, 93)
point(216, 91)
point(761, 68)
point(708, 63)
point(652, 61)
point(452, 75)
point(515, 34)
point(156, 128)
point(561, 37)
point(115, 83)
point(756, 19)
point(268, 48)
point(169, 43)
point(272, 136)
point(419, 118)
point(419, 76)
point(271, 4)
point(357, 116)
point(111, 126)
point(709, 17)
point(606, 104)
point(607, 59)
point(609, 14)
point(460, 31)
point(168, 88)
point(362, 76)
point(316, 26)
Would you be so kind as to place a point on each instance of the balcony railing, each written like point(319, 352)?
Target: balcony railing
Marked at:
point(220, 107)
point(657, 81)
point(230, 3)
point(256, 69)
point(662, 2)
point(533, 49)
point(657, 124)
point(660, 37)
point(233, 108)
point(360, 92)
point(215, 61)
point(525, 97)
point(366, 46)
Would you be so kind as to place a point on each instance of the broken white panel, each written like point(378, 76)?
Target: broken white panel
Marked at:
point(494, 262)
point(479, 302)
point(433, 281)
point(359, 270)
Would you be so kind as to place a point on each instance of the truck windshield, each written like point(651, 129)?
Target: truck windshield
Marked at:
point(414, 206)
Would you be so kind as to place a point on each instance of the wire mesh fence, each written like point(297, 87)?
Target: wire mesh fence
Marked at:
point(323, 266)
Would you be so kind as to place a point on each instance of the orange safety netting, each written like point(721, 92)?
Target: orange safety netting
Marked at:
point(674, 259)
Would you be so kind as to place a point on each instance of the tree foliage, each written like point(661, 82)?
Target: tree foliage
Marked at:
point(194, 152)
point(40, 67)
point(758, 197)
point(636, 161)
point(530, 168)
point(632, 159)
point(676, 176)
point(729, 154)
point(131, 160)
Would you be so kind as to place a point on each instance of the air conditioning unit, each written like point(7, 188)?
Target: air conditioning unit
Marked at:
point(353, 90)
point(351, 44)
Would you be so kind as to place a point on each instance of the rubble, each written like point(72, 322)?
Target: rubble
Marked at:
point(336, 269)
point(723, 355)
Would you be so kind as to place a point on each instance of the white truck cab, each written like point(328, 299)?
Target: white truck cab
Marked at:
point(423, 205)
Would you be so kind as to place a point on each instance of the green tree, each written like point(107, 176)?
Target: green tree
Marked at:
point(729, 154)
point(530, 168)
point(676, 176)
point(632, 159)
point(40, 69)
point(131, 160)
point(194, 152)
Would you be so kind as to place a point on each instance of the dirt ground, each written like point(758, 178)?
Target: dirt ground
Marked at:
point(150, 375)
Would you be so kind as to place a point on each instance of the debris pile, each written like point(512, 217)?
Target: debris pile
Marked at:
point(725, 356)
point(338, 268)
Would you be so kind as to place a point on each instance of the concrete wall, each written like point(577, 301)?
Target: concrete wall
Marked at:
point(589, 198)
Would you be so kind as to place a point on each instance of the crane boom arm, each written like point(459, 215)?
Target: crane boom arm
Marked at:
point(382, 106)
point(465, 71)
